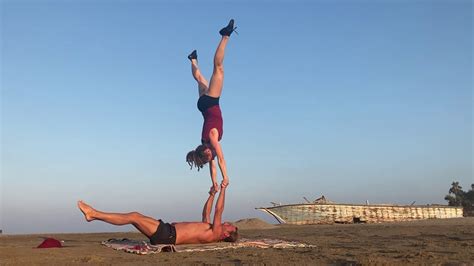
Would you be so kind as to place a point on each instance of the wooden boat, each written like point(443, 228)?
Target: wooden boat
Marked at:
point(322, 211)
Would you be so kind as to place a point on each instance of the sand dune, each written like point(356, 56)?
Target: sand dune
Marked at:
point(253, 223)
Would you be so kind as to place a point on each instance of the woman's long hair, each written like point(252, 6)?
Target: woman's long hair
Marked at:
point(197, 157)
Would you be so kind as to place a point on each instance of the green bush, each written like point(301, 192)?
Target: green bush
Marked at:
point(458, 197)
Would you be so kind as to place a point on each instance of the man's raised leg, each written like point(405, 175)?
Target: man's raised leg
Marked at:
point(146, 225)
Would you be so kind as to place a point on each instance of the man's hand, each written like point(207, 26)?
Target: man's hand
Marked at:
point(224, 184)
point(212, 191)
point(225, 181)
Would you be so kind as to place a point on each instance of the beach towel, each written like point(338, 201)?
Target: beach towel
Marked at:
point(144, 247)
point(137, 246)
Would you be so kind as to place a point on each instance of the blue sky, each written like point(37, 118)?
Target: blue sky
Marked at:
point(356, 100)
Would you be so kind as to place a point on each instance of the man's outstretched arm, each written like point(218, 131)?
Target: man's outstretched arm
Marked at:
point(219, 207)
point(206, 212)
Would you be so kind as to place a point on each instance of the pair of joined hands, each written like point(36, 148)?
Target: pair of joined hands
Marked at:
point(215, 187)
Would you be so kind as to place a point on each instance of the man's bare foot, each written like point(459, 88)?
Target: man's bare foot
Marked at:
point(86, 210)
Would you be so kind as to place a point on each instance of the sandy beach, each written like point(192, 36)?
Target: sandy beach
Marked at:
point(430, 241)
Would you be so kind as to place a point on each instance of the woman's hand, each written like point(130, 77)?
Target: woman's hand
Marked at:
point(215, 187)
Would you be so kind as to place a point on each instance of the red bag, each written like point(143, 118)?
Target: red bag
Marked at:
point(50, 243)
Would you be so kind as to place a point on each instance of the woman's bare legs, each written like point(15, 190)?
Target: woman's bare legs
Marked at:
point(203, 85)
point(217, 79)
point(146, 225)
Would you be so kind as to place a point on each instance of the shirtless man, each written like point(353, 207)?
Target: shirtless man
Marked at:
point(160, 232)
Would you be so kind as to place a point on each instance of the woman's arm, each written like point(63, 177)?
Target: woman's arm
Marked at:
point(213, 172)
point(213, 136)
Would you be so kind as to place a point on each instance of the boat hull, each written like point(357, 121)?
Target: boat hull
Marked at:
point(345, 213)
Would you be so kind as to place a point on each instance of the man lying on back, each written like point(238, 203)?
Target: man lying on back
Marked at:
point(160, 232)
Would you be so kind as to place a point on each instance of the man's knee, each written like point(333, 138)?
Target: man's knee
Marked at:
point(135, 215)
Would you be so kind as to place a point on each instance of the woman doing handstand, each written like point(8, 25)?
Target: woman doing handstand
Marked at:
point(208, 104)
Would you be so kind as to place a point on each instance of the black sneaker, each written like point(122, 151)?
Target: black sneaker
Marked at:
point(193, 55)
point(227, 31)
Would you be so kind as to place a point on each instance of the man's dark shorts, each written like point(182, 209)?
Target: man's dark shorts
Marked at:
point(165, 234)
